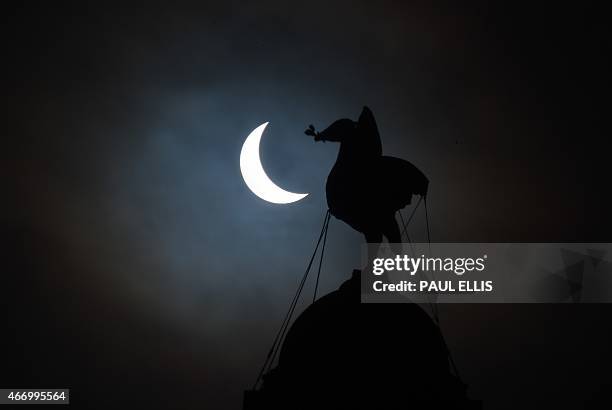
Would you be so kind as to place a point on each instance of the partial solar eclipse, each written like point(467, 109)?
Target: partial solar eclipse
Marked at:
point(254, 175)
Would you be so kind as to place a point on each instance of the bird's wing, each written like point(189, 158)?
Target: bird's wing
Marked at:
point(369, 131)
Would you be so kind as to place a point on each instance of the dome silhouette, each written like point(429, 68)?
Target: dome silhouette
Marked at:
point(340, 353)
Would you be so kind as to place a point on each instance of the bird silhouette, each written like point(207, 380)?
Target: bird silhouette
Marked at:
point(365, 189)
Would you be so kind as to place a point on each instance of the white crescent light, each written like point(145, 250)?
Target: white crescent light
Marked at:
point(254, 175)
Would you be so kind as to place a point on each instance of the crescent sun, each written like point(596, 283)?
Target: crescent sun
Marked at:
point(254, 175)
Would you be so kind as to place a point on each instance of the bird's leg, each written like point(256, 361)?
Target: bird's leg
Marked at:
point(392, 233)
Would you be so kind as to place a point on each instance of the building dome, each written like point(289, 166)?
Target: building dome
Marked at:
point(340, 352)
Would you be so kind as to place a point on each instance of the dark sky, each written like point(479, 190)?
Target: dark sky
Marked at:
point(137, 257)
